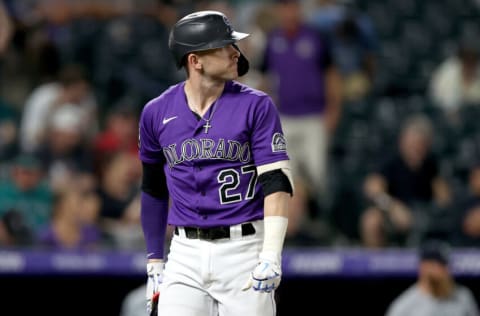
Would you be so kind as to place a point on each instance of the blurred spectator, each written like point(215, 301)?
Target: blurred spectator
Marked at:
point(467, 228)
point(217, 5)
point(8, 132)
point(120, 203)
point(65, 152)
point(17, 73)
point(408, 180)
point(73, 90)
point(59, 32)
point(6, 238)
point(14, 230)
point(74, 221)
point(120, 133)
point(258, 19)
point(354, 44)
point(456, 81)
point(25, 197)
point(49, 34)
point(6, 28)
point(309, 108)
point(435, 292)
point(132, 57)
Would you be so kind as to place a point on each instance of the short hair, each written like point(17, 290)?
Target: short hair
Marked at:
point(71, 74)
point(419, 123)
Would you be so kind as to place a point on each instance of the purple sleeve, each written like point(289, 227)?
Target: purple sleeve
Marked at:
point(268, 141)
point(150, 150)
point(154, 213)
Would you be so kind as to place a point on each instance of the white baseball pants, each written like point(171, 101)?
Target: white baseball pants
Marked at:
point(205, 278)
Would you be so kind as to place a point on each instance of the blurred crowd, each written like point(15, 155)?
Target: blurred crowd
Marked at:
point(380, 101)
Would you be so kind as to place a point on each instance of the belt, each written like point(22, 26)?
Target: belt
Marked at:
point(213, 233)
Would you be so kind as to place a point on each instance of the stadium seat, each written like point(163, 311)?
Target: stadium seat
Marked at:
point(437, 17)
point(404, 8)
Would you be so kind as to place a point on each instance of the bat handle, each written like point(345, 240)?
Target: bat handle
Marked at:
point(154, 311)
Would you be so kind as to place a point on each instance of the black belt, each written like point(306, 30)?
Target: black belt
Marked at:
point(213, 233)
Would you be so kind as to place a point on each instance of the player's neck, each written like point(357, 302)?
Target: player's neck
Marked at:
point(201, 94)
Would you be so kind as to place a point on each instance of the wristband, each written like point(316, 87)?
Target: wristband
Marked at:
point(155, 266)
point(275, 230)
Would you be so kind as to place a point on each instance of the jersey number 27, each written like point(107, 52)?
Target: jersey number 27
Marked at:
point(230, 181)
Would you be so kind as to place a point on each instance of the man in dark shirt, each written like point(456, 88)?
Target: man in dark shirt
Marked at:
point(407, 179)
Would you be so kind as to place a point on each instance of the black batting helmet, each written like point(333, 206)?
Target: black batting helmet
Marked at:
point(204, 30)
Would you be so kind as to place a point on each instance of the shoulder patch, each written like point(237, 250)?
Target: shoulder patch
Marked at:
point(279, 144)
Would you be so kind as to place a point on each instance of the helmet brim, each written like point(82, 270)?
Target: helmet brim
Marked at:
point(237, 36)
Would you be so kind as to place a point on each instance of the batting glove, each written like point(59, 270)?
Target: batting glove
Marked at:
point(155, 278)
point(266, 276)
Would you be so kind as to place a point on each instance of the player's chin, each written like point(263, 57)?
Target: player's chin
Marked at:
point(231, 75)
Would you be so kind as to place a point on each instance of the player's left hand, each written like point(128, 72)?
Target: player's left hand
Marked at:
point(266, 276)
point(155, 278)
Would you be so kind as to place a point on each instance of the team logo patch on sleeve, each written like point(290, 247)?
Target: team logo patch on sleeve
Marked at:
point(279, 143)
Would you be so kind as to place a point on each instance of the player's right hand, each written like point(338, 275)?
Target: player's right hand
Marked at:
point(266, 276)
point(155, 278)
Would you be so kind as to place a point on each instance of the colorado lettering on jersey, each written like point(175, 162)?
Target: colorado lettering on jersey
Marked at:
point(206, 148)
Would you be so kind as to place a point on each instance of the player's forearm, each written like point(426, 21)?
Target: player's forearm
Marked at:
point(276, 204)
point(441, 191)
point(154, 213)
point(333, 82)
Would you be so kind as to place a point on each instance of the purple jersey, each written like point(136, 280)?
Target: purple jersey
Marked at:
point(210, 166)
point(305, 54)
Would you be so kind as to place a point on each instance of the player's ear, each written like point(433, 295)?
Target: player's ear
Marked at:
point(193, 60)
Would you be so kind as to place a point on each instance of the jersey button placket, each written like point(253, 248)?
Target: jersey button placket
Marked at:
point(201, 191)
point(198, 178)
point(198, 202)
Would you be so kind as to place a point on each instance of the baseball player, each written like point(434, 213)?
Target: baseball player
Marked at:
point(215, 149)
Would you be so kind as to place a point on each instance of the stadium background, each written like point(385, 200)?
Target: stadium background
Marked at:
point(332, 274)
